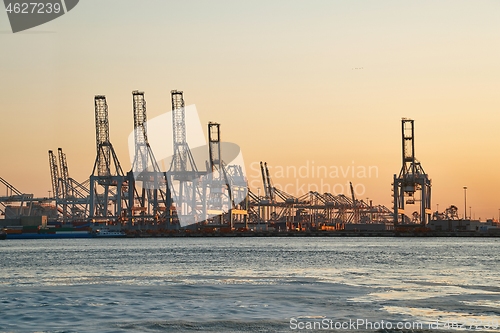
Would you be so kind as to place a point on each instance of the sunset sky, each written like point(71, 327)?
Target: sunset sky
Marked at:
point(295, 83)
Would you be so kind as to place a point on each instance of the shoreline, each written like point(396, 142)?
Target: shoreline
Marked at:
point(292, 234)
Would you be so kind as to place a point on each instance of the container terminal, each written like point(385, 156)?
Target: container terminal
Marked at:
point(211, 196)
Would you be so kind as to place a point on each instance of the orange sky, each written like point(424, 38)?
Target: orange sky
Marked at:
point(279, 76)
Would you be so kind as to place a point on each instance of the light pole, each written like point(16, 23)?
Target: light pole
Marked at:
point(465, 202)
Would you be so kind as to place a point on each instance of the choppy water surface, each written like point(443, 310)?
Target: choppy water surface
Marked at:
point(249, 284)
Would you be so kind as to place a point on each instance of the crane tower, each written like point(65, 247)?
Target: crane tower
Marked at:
point(107, 172)
point(183, 174)
point(413, 185)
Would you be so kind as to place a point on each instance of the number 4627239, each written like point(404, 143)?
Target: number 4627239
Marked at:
point(33, 8)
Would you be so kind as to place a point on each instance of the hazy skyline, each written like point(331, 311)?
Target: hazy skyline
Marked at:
point(291, 82)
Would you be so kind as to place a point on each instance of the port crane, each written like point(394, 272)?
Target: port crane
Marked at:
point(107, 174)
point(153, 202)
point(183, 175)
point(412, 185)
point(226, 184)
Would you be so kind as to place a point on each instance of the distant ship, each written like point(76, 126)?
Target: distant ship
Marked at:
point(36, 232)
point(45, 233)
point(105, 232)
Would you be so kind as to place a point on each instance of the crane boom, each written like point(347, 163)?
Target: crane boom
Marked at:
point(270, 188)
point(54, 174)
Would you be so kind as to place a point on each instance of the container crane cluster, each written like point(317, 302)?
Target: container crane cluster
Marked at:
point(311, 211)
point(190, 196)
point(147, 198)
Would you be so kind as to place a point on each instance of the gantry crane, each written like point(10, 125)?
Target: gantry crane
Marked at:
point(226, 183)
point(216, 187)
point(107, 172)
point(183, 175)
point(413, 185)
point(155, 195)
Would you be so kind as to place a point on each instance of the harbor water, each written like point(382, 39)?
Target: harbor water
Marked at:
point(233, 284)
